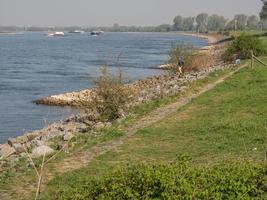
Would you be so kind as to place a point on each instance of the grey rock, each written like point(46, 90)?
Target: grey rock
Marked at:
point(99, 125)
point(108, 124)
point(68, 136)
point(18, 140)
point(41, 151)
point(84, 128)
point(33, 135)
point(6, 150)
point(19, 148)
point(89, 122)
point(37, 143)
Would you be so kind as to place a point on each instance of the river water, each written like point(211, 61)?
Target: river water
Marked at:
point(34, 66)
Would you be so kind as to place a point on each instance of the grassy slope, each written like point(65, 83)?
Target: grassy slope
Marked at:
point(227, 123)
point(21, 173)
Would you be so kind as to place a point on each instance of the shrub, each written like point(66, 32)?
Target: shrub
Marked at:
point(180, 50)
point(112, 98)
point(194, 59)
point(179, 180)
point(199, 61)
point(242, 45)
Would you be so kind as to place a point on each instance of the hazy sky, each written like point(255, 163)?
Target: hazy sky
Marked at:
point(107, 12)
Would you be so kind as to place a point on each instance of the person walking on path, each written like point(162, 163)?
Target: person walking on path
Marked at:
point(180, 65)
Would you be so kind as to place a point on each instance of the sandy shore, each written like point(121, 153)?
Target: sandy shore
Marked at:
point(212, 38)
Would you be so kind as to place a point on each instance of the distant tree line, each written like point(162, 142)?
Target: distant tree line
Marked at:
point(205, 23)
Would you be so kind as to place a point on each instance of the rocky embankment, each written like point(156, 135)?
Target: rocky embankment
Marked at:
point(56, 134)
point(148, 89)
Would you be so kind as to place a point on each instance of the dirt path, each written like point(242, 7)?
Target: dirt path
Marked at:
point(82, 159)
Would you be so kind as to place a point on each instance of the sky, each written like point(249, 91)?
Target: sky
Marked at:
point(108, 12)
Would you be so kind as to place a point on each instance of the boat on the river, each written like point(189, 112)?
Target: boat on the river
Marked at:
point(77, 31)
point(97, 33)
point(56, 34)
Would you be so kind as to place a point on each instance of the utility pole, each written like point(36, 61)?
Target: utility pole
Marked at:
point(235, 25)
point(252, 60)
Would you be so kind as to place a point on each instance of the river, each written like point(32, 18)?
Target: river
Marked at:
point(34, 66)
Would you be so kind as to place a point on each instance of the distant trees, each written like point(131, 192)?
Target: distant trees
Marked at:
point(163, 28)
point(216, 22)
point(183, 24)
point(188, 24)
point(178, 23)
point(201, 21)
point(253, 22)
point(263, 13)
point(241, 21)
point(230, 25)
point(205, 23)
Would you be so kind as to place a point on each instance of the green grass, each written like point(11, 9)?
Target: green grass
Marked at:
point(83, 141)
point(223, 125)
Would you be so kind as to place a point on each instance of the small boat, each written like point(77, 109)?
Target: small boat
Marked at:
point(56, 34)
point(77, 31)
point(97, 33)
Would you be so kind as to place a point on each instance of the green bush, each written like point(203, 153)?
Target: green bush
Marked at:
point(112, 96)
point(193, 58)
point(243, 45)
point(174, 181)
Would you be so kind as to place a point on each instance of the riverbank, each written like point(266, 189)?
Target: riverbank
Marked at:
point(211, 38)
point(84, 149)
point(71, 98)
point(147, 90)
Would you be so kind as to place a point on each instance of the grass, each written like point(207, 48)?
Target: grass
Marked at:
point(223, 125)
point(85, 141)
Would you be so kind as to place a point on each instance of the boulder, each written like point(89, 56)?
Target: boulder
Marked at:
point(99, 125)
point(19, 148)
point(18, 140)
point(68, 136)
point(6, 151)
point(33, 135)
point(82, 127)
point(37, 142)
point(41, 151)
point(108, 124)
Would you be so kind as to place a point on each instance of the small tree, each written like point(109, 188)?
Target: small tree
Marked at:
point(188, 24)
point(243, 45)
point(216, 22)
point(177, 51)
point(194, 60)
point(178, 23)
point(263, 13)
point(241, 21)
point(201, 21)
point(253, 22)
point(112, 98)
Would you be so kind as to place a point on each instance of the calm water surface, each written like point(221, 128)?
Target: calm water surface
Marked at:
point(34, 66)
